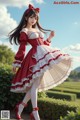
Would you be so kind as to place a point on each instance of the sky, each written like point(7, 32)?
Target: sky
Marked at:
point(63, 19)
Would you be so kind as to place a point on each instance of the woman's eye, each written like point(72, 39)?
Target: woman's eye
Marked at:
point(34, 17)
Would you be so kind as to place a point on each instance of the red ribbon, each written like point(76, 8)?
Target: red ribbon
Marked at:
point(32, 8)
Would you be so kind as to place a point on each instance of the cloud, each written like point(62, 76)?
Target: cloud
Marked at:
point(76, 62)
point(0, 42)
point(76, 59)
point(9, 45)
point(16, 3)
point(6, 22)
point(73, 48)
point(74, 52)
point(39, 1)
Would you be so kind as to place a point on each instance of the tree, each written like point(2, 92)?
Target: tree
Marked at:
point(6, 55)
point(73, 74)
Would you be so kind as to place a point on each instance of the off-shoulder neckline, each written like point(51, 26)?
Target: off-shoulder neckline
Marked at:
point(32, 31)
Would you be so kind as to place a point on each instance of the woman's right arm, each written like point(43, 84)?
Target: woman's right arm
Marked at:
point(21, 51)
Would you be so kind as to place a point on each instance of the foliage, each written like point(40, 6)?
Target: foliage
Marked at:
point(61, 95)
point(42, 94)
point(72, 115)
point(9, 99)
point(52, 109)
point(6, 55)
point(74, 91)
point(5, 78)
point(74, 75)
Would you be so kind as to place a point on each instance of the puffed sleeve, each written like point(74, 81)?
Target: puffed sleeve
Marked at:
point(21, 51)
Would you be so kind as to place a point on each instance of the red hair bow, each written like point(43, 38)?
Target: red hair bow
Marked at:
point(32, 8)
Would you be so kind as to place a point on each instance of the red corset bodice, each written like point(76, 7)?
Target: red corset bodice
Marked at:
point(23, 39)
point(35, 42)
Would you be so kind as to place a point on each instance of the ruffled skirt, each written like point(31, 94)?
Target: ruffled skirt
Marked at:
point(51, 63)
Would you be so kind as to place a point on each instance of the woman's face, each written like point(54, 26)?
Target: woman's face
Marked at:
point(32, 20)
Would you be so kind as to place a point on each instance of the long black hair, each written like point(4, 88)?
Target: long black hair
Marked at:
point(14, 34)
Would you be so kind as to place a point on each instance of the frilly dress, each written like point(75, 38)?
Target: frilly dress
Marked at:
point(42, 59)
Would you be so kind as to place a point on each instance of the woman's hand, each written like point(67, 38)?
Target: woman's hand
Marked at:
point(14, 69)
point(51, 34)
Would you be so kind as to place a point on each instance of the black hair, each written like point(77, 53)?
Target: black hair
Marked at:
point(14, 34)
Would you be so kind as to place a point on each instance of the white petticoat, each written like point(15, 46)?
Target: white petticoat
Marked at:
point(53, 64)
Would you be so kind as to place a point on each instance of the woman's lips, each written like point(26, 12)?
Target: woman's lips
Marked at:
point(32, 22)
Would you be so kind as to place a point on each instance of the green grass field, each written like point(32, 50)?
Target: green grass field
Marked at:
point(71, 85)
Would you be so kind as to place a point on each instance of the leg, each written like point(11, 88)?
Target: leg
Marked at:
point(24, 102)
point(34, 90)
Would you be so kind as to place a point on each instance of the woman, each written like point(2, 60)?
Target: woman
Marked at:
point(42, 68)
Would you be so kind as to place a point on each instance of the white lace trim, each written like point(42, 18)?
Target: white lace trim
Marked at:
point(16, 65)
point(43, 70)
point(37, 74)
point(19, 89)
point(51, 63)
point(41, 63)
point(17, 61)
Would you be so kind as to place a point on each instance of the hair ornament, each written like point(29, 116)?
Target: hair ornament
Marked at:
point(30, 7)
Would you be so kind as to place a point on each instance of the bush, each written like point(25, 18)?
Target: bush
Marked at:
point(42, 94)
point(6, 54)
point(77, 92)
point(52, 109)
point(9, 99)
point(61, 95)
point(72, 116)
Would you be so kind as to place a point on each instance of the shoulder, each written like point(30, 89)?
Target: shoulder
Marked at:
point(25, 30)
point(23, 35)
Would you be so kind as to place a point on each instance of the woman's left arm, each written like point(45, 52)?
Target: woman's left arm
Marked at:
point(48, 41)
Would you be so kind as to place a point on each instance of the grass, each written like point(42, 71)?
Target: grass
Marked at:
point(71, 85)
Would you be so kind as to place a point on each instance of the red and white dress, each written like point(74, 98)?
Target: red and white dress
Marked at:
point(42, 59)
